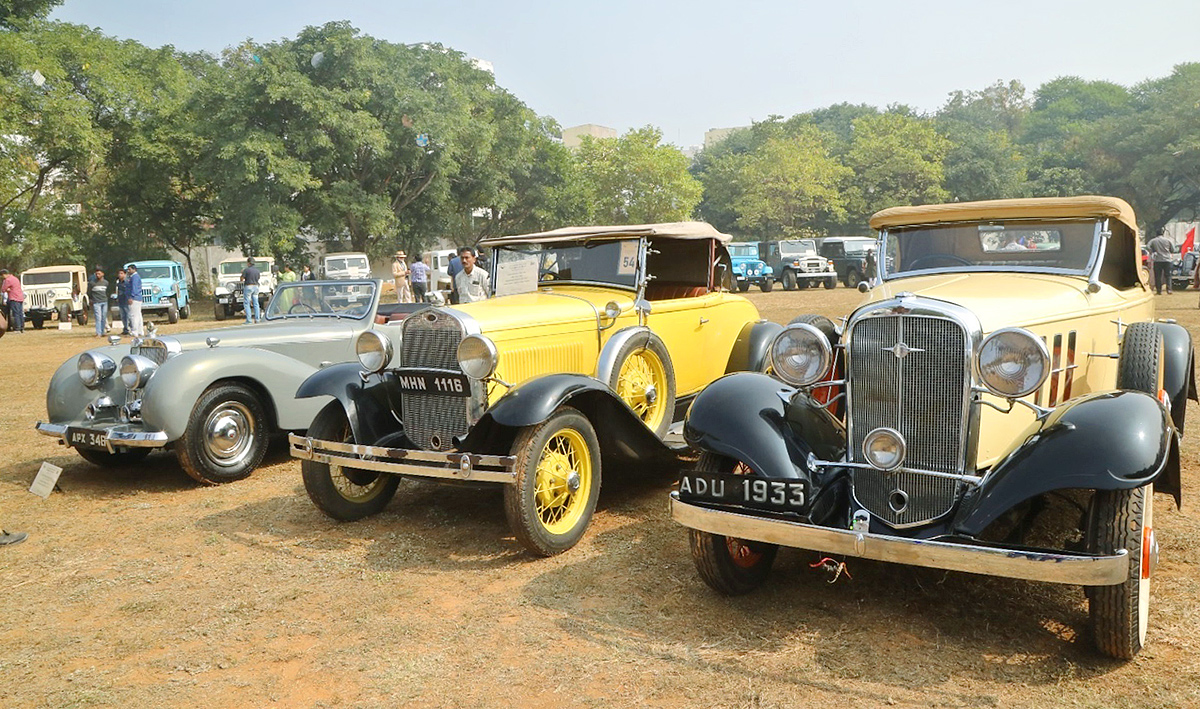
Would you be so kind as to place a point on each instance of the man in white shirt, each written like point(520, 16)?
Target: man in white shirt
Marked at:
point(471, 283)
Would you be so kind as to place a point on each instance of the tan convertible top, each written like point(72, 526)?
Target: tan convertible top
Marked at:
point(671, 230)
point(1090, 206)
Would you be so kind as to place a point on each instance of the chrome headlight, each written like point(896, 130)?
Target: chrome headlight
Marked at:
point(374, 350)
point(478, 357)
point(884, 448)
point(51, 295)
point(155, 290)
point(95, 368)
point(136, 370)
point(1013, 362)
point(801, 355)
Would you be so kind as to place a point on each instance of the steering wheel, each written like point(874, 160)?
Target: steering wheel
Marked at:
point(932, 257)
point(547, 275)
point(306, 306)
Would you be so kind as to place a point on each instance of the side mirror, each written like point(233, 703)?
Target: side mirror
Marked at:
point(214, 270)
point(863, 287)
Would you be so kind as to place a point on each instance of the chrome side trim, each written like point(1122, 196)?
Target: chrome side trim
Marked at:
point(607, 363)
point(1051, 567)
point(449, 465)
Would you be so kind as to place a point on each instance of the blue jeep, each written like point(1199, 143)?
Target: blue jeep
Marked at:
point(748, 269)
point(164, 288)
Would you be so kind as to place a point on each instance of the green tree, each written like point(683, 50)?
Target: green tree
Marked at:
point(789, 184)
point(636, 179)
point(897, 160)
point(17, 14)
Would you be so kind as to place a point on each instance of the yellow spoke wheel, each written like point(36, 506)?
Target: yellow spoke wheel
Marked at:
point(558, 482)
point(645, 380)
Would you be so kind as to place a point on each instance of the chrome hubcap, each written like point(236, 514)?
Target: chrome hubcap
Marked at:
point(229, 434)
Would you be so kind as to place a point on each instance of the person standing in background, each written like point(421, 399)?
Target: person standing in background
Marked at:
point(419, 275)
point(400, 278)
point(471, 283)
point(307, 274)
point(288, 297)
point(133, 298)
point(98, 293)
point(123, 300)
point(250, 279)
point(13, 297)
point(1162, 250)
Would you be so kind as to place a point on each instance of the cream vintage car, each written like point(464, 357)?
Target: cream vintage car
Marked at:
point(1003, 402)
point(597, 338)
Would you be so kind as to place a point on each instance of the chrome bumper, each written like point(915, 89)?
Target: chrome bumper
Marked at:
point(401, 461)
point(121, 435)
point(1077, 569)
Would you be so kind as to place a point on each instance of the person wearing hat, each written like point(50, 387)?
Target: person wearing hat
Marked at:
point(133, 296)
point(400, 277)
point(250, 278)
point(98, 293)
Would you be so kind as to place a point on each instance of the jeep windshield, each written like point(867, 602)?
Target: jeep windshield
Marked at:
point(232, 268)
point(1046, 246)
point(858, 247)
point(798, 247)
point(743, 250)
point(46, 279)
point(307, 299)
point(523, 267)
point(343, 264)
point(149, 272)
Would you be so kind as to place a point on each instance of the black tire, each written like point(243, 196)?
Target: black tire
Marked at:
point(81, 317)
point(652, 401)
point(172, 312)
point(104, 459)
point(219, 311)
point(1140, 366)
point(820, 322)
point(234, 412)
point(36, 321)
point(802, 283)
point(831, 283)
point(344, 495)
point(186, 311)
point(729, 566)
point(853, 277)
point(765, 285)
point(551, 526)
point(789, 280)
point(1120, 613)
point(743, 286)
point(64, 313)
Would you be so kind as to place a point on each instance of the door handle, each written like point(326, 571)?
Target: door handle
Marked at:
point(703, 320)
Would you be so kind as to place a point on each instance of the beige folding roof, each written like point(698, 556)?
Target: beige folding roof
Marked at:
point(1090, 206)
point(671, 230)
point(50, 269)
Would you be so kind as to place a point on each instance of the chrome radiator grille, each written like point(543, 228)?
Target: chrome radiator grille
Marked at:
point(151, 350)
point(921, 393)
point(38, 300)
point(431, 341)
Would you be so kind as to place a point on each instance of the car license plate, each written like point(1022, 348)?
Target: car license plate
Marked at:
point(437, 382)
point(745, 491)
point(87, 438)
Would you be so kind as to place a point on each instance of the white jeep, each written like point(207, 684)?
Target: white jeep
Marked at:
point(52, 291)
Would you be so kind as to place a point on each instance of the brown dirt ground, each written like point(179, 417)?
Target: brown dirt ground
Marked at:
point(138, 587)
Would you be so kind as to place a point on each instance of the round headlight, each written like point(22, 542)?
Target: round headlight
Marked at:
point(478, 357)
point(374, 350)
point(95, 368)
point(155, 290)
point(884, 448)
point(136, 370)
point(801, 355)
point(1013, 362)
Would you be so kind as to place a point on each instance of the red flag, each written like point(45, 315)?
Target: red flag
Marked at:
point(1189, 241)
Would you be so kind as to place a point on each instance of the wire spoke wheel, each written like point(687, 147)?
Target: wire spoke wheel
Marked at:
point(645, 380)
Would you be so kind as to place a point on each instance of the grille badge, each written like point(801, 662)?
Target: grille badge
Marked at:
point(901, 350)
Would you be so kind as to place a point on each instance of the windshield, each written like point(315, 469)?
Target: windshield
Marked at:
point(232, 268)
point(859, 246)
point(342, 264)
point(522, 267)
point(743, 250)
point(149, 272)
point(309, 299)
point(799, 247)
point(997, 246)
point(45, 279)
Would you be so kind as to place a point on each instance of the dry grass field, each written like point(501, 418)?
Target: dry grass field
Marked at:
point(140, 588)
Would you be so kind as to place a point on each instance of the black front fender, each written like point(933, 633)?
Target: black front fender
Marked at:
point(752, 346)
point(368, 404)
point(767, 425)
point(1102, 441)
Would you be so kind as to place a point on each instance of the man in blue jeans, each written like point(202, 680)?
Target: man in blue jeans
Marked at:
point(250, 277)
point(98, 294)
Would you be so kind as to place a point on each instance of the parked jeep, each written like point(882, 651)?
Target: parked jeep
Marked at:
point(795, 263)
point(1003, 403)
point(748, 268)
point(341, 265)
point(228, 300)
point(55, 291)
point(164, 289)
point(849, 257)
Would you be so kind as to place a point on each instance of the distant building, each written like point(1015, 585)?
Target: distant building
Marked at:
point(573, 136)
point(483, 65)
point(713, 136)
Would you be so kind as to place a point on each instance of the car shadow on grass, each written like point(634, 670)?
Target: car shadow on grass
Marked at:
point(158, 472)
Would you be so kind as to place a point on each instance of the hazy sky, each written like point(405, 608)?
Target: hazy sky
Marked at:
point(690, 66)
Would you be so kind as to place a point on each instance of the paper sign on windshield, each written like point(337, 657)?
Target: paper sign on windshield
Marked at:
point(517, 275)
point(629, 258)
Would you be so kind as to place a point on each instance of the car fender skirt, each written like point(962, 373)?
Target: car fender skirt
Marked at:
point(366, 403)
point(620, 431)
point(763, 423)
point(752, 346)
point(1103, 441)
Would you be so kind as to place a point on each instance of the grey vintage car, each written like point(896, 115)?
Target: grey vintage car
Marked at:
point(214, 396)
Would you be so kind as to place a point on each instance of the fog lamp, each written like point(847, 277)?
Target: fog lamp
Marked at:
point(884, 448)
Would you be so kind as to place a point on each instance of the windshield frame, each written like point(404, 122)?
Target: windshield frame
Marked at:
point(70, 280)
point(291, 286)
point(747, 245)
point(806, 252)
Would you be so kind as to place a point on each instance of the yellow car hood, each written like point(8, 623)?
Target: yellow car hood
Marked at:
point(548, 306)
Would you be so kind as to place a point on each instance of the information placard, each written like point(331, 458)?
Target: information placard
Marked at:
point(46, 479)
point(518, 275)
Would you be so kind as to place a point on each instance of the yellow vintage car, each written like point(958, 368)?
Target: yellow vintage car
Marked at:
point(595, 341)
point(1003, 402)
